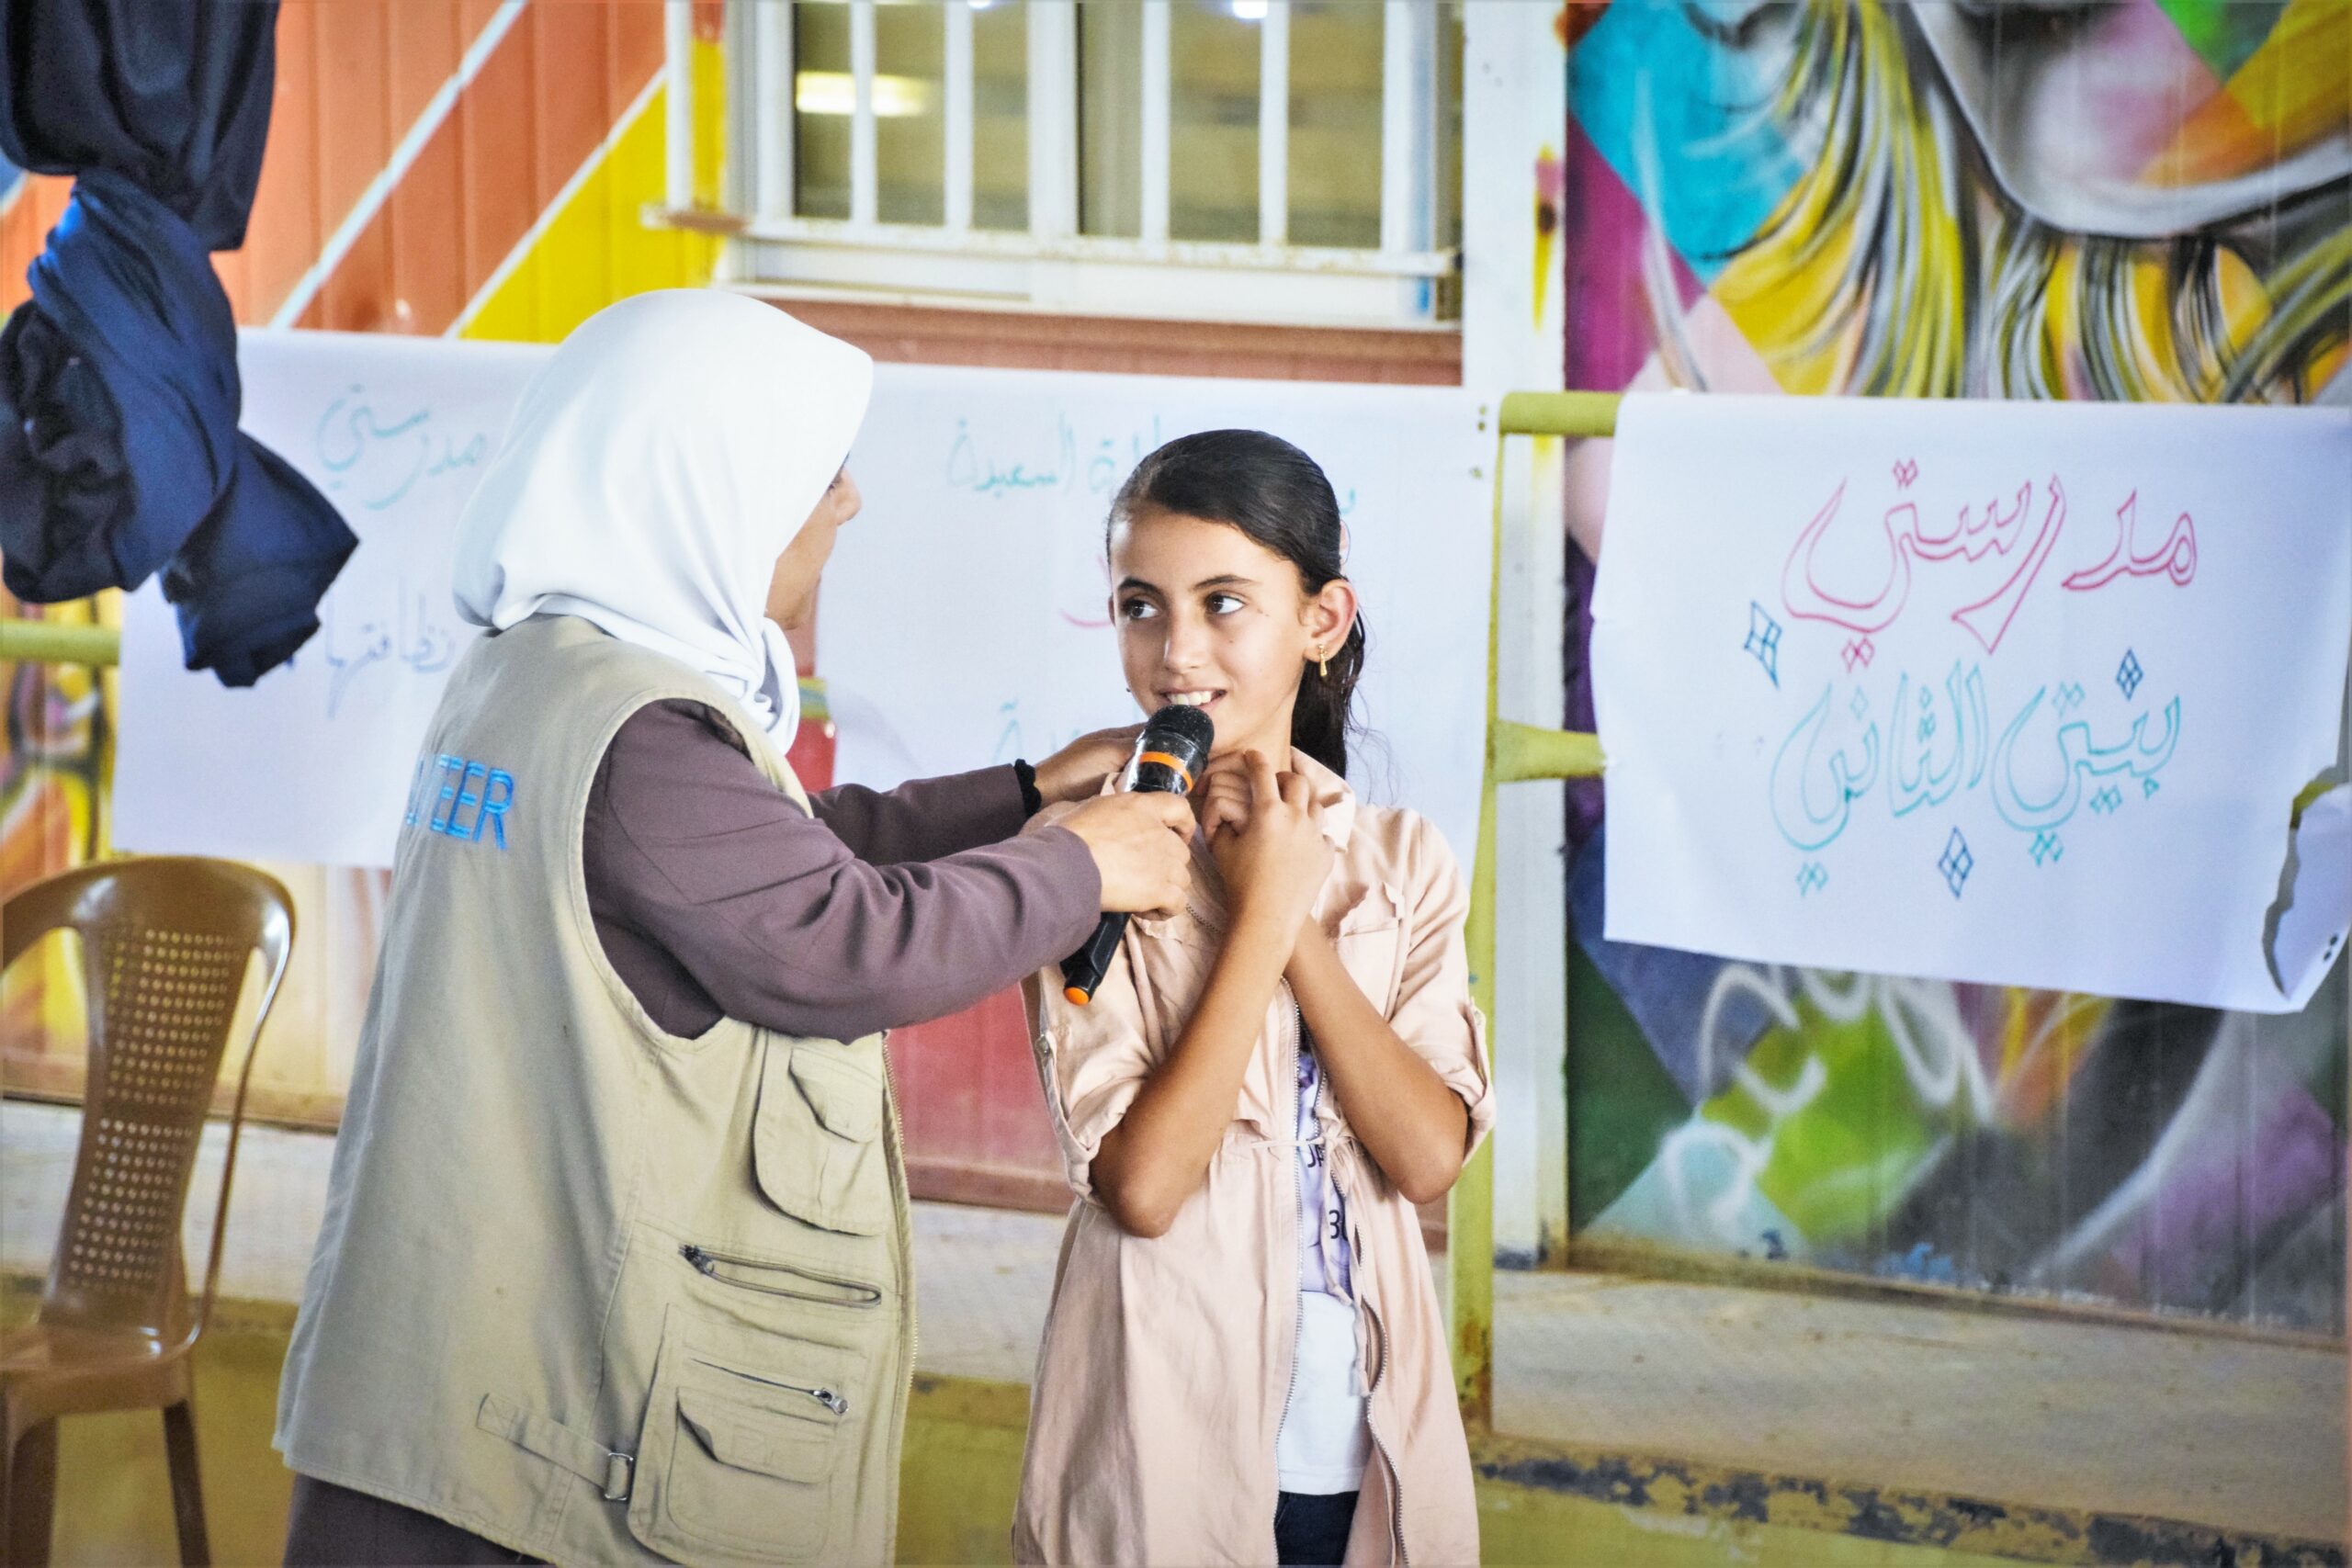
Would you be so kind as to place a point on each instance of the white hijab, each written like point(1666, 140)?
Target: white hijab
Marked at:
point(655, 468)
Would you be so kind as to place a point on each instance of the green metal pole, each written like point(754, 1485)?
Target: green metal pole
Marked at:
point(1522, 751)
point(1470, 1209)
point(57, 642)
point(1513, 753)
point(1559, 413)
point(1470, 1212)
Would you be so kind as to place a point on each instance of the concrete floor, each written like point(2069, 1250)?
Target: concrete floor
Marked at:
point(961, 1470)
point(2064, 1414)
point(2235, 1433)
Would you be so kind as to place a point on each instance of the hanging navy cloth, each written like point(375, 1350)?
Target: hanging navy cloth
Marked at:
point(120, 454)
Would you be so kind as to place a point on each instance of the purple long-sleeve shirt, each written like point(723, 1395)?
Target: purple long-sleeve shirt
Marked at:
point(714, 895)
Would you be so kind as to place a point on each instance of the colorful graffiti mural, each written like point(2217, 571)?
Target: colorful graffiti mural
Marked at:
point(2138, 200)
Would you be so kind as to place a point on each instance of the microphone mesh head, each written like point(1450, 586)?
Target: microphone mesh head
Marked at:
point(1180, 731)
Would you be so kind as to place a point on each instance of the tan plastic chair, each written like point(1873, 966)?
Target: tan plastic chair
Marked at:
point(165, 942)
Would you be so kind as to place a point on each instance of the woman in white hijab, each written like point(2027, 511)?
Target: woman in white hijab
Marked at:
point(615, 1260)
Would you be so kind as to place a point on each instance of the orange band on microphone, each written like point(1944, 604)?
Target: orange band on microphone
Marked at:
point(1077, 997)
point(1175, 763)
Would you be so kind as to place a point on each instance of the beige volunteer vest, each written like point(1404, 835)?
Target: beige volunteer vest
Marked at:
point(598, 1293)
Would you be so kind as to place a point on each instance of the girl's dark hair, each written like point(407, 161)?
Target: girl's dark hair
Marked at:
point(1277, 494)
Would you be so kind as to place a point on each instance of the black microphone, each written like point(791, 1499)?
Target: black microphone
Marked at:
point(1167, 758)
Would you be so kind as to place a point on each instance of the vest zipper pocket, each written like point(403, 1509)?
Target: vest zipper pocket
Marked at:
point(741, 1454)
point(824, 1396)
point(776, 1279)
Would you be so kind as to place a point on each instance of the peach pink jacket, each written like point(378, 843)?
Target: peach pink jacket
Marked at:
point(1165, 1362)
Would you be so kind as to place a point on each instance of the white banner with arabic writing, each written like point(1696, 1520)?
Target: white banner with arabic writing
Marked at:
point(2021, 694)
point(313, 763)
point(967, 615)
point(965, 618)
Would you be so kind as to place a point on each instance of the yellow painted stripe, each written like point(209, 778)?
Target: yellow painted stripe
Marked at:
point(594, 247)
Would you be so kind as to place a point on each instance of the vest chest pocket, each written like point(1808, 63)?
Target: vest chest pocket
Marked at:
point(749, 1448)
point(817, 1144)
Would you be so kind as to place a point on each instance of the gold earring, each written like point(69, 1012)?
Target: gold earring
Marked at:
point(1323, 662)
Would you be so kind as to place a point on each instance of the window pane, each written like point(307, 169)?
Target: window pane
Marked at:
point(1110, 117)
point(910, 113)
point(1335, 76)
point(1448, 228)
point(1213, 129)
point(999, 117)
point(821, 98)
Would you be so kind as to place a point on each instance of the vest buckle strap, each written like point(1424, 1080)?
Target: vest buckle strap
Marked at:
point(614, 1474)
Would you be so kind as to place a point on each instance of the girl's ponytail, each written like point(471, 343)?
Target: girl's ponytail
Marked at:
point(1321, 720)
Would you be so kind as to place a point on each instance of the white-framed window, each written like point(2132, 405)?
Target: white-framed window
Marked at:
point(1291, 161)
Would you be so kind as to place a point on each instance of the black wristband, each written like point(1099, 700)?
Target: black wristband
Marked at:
point(1032, 802)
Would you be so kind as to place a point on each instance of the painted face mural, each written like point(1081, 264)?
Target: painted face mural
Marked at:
point(2150, 199)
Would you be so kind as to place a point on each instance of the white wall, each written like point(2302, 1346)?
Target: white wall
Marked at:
point(1514, 116)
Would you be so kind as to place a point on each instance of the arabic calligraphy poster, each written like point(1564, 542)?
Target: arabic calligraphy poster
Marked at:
point(965, 620)
point(313, 763)
point(2012, 693)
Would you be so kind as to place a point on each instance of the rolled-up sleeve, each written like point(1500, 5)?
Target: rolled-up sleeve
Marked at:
point(1434, 1015)
point(1094, 1060)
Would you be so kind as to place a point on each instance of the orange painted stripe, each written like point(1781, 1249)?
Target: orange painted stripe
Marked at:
point(339, 108)
point(20, 241)
point(24, 231)
point(284, 232)
point(351, 75)
point(498, 135)
point(445, 230)
point(355, 78)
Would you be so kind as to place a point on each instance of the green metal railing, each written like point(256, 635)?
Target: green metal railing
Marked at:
point(1515, 753)
point(59, 642)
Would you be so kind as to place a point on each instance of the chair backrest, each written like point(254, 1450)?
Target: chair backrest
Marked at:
point(166, 943)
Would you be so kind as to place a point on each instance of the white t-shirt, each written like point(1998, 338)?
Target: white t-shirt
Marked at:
point(1324, 1442)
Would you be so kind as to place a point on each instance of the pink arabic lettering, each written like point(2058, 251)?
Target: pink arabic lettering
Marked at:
point(1998, 608)
point(1969, 538)
point(2175, 557)
point(1809, 601)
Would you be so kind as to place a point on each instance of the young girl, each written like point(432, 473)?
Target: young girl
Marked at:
point(1245, 1360)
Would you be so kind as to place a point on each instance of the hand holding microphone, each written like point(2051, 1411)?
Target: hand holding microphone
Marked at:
point(1078, 770)
point(1140, 844)
point(1168, 756)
